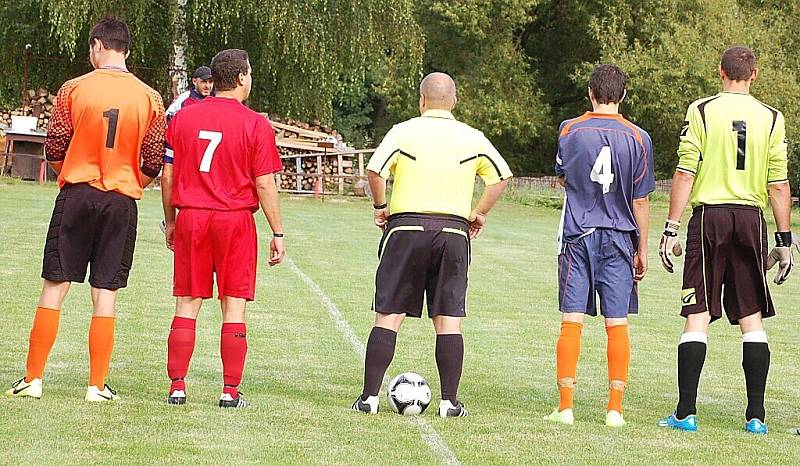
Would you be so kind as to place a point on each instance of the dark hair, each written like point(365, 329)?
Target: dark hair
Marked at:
point(226, 67)
point(113, 33)
point(738, 63)
point(607, 83)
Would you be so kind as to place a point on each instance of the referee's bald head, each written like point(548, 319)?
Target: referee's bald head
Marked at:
point(437, 91)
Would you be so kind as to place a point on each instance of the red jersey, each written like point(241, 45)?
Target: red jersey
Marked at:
point(218, 147)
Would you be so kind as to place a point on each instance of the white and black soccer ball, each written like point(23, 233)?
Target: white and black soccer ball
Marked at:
point(409, 394)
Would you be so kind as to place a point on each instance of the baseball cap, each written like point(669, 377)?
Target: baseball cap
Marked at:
point(202, 72)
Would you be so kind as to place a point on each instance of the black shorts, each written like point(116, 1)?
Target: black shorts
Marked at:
point(90, 226)
point(726, 251)
point(423, 256)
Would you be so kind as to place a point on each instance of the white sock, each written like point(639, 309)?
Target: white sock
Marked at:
point(700, 337)
point(759, 336)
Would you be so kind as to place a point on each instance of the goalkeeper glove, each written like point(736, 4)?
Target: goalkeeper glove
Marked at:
point(669, 244)
point(781, 254)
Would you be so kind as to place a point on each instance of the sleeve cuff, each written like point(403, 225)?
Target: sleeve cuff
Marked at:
point(152, 172)
point(269, 171)
point(686, 170)
point(785, 180)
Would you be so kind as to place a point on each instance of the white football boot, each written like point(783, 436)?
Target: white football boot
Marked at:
point(21, 388)
point(369, 406)
point(563, 417)
point(614, 419)
point(447, 409)
point(96, 395)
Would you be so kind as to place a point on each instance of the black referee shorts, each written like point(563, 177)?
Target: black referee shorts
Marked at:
point(90, 226)
point(423, 256)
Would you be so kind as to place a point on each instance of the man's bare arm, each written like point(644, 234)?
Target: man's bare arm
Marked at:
point(641, 213)
point(166, 194)
point(680, 192)
point(270, 201)
point(378, 187)
point(780, 198)
point(491, 194)
point(56, 166)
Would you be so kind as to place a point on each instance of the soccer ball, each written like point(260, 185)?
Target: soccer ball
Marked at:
point(409, 394)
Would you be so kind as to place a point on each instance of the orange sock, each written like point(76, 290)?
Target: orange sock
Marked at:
point(101, 345)
point(568, 350)
point(43, 335)
point(619, 358)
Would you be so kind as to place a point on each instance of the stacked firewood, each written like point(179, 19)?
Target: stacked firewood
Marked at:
point(303, 131)
point(308, 165)
point(38, 103)
point(294, 137)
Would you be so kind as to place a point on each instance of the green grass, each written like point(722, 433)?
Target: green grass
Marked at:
point(302, 374)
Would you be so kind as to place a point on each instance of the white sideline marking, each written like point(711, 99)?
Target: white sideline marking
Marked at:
point(428, 433)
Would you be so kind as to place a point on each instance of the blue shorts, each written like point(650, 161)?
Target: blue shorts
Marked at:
point(600, 263)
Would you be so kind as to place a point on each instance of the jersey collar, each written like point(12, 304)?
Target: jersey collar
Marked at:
point(612, 116)
point(435, 113)
point(114, 68)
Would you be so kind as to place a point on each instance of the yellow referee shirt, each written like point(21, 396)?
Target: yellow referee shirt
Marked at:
point(734, 146)
point(434, 159)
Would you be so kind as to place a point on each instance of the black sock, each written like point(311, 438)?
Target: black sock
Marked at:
point(691, 356)
point(450, 361)
point(755, 362)
point(380, 351)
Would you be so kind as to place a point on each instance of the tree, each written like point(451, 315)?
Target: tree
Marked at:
point(671, 61)
point(478, 43)
point(300, 49)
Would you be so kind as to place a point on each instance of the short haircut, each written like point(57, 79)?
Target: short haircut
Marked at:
point(607, 83)
point(113, 33)
point(738, 63)
point(226, 67)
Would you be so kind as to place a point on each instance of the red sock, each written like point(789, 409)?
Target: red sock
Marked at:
point(180, 346)
point(233, 349)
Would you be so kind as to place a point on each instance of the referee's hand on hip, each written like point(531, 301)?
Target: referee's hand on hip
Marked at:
point(381, 217)
point(476, 223)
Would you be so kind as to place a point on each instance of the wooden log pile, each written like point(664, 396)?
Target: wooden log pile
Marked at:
point(304, 146)
point(38, 103)
point(330, 173)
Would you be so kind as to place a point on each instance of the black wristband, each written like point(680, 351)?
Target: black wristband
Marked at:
point(783, 239)
point(378, 207)
point(277, 235)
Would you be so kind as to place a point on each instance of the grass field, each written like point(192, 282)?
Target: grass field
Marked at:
point(302, 372)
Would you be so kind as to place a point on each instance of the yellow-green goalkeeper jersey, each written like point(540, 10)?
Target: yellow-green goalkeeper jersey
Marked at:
point(735, 146)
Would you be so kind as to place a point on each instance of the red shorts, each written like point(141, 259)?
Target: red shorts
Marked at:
point(215, 242)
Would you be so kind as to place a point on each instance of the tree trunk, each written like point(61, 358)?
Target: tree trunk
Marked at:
point(179, 44)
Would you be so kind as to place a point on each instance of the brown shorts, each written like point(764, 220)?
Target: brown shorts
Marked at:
point(726, 250)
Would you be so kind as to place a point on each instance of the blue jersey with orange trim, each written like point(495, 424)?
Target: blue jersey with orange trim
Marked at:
point(607, 162)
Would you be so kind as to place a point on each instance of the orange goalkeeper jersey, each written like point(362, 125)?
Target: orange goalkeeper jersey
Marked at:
point(107, 128)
